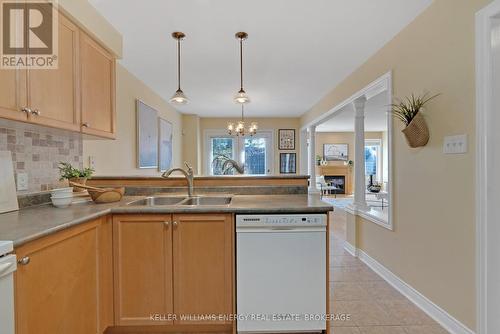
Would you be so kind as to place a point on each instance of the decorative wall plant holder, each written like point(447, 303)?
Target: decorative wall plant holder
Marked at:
point(417, 132)
point(409, 111)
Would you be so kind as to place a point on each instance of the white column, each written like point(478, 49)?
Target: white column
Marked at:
point(304, 154)
point(359, 157)
point(312, 160)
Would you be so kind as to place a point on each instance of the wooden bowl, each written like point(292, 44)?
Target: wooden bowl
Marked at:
point(107, 196)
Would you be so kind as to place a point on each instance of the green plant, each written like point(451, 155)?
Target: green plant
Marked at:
point(407, 108)
point(69, 172)
point(318, 158)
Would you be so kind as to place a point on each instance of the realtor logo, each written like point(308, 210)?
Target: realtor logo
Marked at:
point(29, 36)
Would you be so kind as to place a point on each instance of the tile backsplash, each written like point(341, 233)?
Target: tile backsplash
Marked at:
point(37, 151)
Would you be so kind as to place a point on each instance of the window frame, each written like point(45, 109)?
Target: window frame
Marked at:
point(238, 148)
point(379, 143)
point(208, 154)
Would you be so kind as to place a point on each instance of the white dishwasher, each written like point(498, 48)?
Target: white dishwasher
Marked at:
point(281, 273)
point(8, 265)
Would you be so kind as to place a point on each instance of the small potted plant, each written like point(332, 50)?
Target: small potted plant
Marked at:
point(318, 160)
point(409, 112)
point(349, 163)
point(75, 175)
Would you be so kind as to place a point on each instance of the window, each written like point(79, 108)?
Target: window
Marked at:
point(373, 159)
point(255, 156)
point(256, 152)
point(220, 148)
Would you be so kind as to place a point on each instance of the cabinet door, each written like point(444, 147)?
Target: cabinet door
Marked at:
point(97, 89)
point(105, 274)
point(13, 94)
point(57, 291)
point(203, 266)
point(143, 268)
point(53, 94)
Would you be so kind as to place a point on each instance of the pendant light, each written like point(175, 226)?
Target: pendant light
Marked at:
point(179, 97)
point(239, 129)
point(241, 96)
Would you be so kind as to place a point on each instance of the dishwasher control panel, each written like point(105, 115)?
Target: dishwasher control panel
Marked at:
point(281, 220)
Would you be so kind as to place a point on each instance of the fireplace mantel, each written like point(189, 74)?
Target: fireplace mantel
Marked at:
point(345, 171)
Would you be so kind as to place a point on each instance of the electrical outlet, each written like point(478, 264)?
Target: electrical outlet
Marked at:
point(22, 181)
point(91, 162)
point(455, 144)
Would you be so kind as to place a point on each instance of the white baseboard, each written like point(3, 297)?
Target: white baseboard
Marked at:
point(350, 249)
point(448, 322)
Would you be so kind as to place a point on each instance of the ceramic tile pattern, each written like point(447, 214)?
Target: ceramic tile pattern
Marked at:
point(374, 306)
point(37, 151)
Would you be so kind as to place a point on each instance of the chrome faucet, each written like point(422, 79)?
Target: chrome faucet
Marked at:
point(187, 173)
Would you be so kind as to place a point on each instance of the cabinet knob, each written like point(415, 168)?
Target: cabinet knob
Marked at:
point(26, 110)
point(166, 224)
point(36, 112)
point(86, 125)
point(24, 261)
point(175, 224)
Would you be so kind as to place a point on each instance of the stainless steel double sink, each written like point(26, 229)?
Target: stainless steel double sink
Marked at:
point(184, 201)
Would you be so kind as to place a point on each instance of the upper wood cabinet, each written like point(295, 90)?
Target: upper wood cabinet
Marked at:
point(54, 95)
point(13, 102)
point(143, 268)
point(79, 95)
point(203, 264)
point(65, 288)
point(97, 89)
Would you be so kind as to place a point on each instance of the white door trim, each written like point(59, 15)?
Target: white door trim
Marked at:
point(484, 170)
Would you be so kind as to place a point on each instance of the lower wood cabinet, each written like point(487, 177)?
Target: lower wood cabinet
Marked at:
point(176, 267)
point(203, 265)
point(65, 283)
point(143, 268)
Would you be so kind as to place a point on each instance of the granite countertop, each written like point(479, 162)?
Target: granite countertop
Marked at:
point(35, 222)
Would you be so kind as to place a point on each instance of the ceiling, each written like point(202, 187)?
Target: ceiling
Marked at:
point(343, 120)
point(297, 51)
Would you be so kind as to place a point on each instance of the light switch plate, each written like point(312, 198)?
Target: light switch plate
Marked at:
point(22, 181)
point(455, 144)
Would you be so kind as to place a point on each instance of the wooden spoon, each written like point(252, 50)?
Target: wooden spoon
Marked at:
point(89, 187)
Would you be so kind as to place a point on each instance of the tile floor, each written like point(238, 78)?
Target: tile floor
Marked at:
point(373, 305)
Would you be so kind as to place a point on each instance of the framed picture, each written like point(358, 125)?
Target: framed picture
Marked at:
point(286, 139)
point(336, 152)
point(288, 163)
point(147, 135)
point(165, 145)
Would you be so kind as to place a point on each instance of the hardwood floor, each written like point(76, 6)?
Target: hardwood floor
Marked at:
point(374, 306)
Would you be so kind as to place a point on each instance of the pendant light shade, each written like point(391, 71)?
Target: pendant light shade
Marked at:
point(241, 96)
point(179, 97)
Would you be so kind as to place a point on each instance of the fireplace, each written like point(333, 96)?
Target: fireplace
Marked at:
point(337, 181)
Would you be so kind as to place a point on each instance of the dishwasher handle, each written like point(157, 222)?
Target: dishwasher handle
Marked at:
point(279, 229)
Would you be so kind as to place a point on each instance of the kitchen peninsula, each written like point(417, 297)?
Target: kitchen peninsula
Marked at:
point(126, 265)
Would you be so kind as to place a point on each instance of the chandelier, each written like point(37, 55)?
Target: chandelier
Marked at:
point(239, 129)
